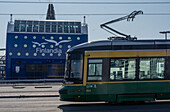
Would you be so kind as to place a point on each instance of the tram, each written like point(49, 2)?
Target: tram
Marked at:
point(117, 70)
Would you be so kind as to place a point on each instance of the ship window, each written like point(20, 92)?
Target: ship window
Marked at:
point(29, 26)
point(41, 71)
point(16, 26)
point(41, 29)
point(47, 26)
point(151, 68)
point(60, 27)
point(71, 27)
point(94, 69)
point(121, 69)
point(54, 27)
point(77, 27)
point(23, 26)
point(65, 27)
point(35, 26)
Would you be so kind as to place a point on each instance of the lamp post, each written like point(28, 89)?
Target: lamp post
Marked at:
point(166, 34)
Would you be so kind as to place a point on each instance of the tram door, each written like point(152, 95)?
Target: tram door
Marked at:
point(95, 75)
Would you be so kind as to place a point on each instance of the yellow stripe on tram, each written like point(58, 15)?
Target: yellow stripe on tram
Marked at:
point(98, 54)
point(127, 81)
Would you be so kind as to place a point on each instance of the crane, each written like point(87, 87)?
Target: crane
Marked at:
point(128, 18)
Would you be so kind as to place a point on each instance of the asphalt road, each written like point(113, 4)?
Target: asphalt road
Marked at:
point(28, 90)
point(52, 104)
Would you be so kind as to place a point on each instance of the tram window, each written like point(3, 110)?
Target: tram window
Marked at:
point(151, 68)
point(94, 69)
point(121, 69)
point(76, 66)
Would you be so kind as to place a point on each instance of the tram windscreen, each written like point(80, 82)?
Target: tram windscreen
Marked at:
point(74, 68)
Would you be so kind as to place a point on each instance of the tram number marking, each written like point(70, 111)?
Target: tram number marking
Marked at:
point(91, 86)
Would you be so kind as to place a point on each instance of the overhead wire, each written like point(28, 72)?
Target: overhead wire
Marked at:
point(88, 14)
point(101, 3)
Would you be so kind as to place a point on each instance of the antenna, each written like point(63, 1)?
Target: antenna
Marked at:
point(84, 22)
point(11, 21)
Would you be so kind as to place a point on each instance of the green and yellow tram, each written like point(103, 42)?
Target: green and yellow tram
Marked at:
point(118, 70)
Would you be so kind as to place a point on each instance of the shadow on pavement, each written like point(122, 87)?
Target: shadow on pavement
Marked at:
point(120, 107)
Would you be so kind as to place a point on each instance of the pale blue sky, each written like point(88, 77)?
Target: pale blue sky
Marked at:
point(144, 26)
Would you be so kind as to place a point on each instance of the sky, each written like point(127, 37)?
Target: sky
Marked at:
point(143, 27)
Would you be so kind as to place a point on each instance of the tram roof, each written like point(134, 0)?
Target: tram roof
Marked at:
point(121, 45)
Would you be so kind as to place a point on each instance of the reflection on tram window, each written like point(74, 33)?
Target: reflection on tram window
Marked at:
point(121, 69)
point(151, 68)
